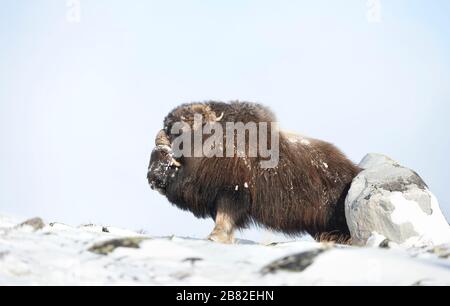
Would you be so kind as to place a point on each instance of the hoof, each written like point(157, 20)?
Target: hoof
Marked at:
point(221, 238)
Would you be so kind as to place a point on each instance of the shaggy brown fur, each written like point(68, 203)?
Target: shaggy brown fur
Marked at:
point(304, 193)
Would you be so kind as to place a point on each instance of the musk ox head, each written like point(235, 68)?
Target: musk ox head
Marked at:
point(162, 165)
point(192, 117)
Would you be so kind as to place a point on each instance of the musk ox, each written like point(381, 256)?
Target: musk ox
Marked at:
point(303, 193)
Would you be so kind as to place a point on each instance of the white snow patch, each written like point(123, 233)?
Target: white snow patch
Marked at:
point(433, 228)
point(294, 137)
point(59, 255)
point(305, 142)
point(375, 240)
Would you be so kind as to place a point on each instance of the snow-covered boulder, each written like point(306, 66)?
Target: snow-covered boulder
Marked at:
point(390, 203)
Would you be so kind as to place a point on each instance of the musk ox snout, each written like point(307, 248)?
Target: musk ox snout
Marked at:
point(161, 168)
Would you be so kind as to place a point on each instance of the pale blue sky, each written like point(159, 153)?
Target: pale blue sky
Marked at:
point(80, 103)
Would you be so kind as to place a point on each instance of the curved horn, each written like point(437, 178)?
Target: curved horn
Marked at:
point(220, 117)
point(176, 163)
point(162, 139)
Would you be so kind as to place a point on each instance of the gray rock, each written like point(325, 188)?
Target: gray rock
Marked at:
point(106, 247)
point(389, 201)
point(35, 223)
point(293, 263)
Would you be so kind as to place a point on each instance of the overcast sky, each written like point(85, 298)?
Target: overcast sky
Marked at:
point(81, 99)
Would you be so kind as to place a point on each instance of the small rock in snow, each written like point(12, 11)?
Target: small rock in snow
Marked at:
point(104, 248)
point(293, 263)
point(35, 223)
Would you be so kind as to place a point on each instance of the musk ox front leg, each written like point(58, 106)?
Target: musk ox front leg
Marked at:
point(231, 213)
point(224, 229)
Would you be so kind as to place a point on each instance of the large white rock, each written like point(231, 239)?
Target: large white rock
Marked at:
point(389, 201)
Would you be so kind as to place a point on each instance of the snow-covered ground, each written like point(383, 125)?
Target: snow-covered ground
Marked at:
point(58, 254)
